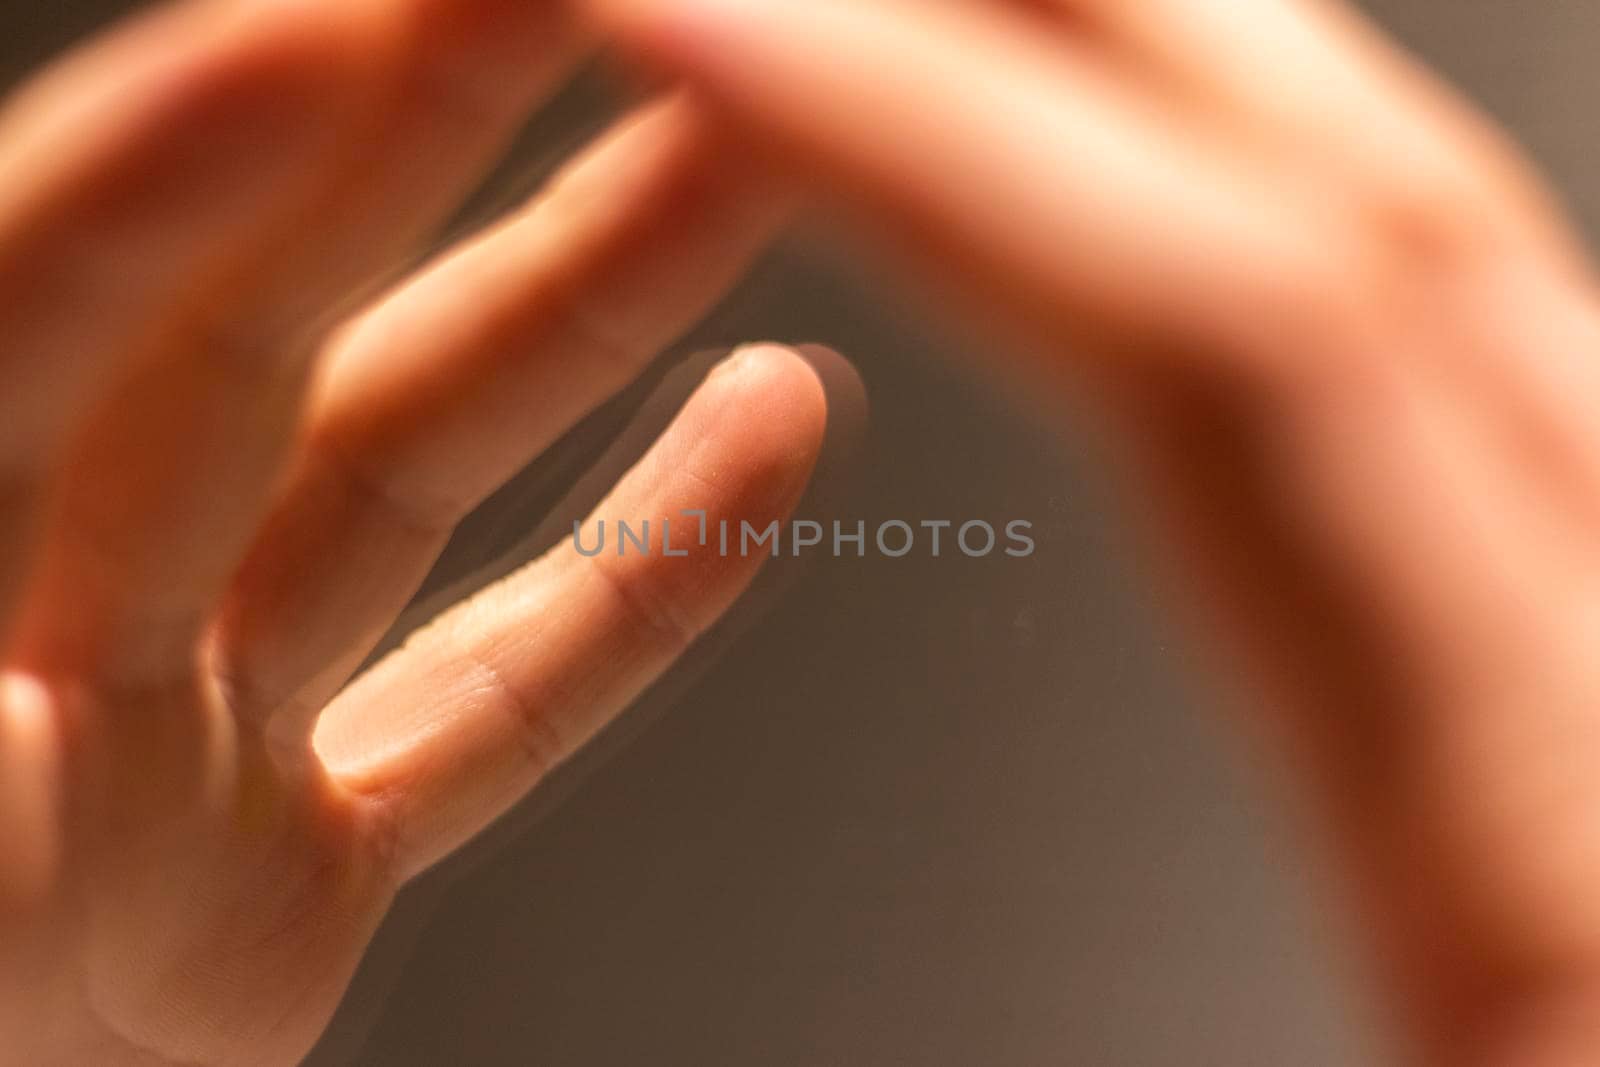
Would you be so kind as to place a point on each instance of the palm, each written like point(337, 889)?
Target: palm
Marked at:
point(220, 892)
point(213, 504)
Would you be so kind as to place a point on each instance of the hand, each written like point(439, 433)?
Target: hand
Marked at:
point(1351, 356)
point(221, 478)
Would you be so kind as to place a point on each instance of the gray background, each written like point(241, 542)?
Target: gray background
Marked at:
point(920, 812)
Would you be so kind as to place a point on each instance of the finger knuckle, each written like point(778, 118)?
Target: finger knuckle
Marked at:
point(648, 600)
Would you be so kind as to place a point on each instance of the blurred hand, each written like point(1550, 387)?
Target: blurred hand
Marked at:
point(1352, 357)
point(224, 469)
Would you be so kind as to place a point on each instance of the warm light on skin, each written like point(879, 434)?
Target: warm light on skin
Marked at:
point(241, 498)
point(29, 780)
point(1341, 337)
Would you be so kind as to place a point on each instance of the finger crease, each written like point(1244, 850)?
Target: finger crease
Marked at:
point(540, 739)
point(425, 522)
point(654, 613)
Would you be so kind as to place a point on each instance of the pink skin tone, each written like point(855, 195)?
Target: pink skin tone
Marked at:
point(1346, 347)
point(228, 470)
point(1330, 320)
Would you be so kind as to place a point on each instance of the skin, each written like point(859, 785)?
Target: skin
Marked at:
point(1336, 329)
point(235, 438)
point(1345, 349)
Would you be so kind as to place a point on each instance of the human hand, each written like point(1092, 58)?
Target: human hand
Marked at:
point(1350, 354)
point(224, 470)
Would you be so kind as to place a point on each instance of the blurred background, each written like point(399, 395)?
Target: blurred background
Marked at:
point(932, 812)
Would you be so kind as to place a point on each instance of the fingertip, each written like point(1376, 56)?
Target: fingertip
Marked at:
point(783, 393)
point(817, 413)
point(846, 390)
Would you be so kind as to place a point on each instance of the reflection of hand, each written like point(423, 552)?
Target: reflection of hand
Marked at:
point(1352, 354)
point(202, 538)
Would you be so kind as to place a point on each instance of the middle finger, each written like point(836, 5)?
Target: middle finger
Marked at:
point(166, 486)
point(452, 383)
